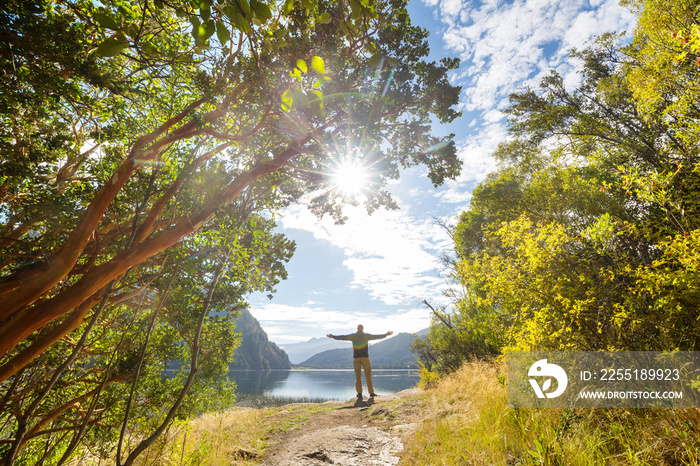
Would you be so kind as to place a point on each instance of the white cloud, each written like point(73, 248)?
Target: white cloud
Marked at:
point(392, 255)
point(503, 45)
point(454, 193)
point(317, 316)
point(475, 152)
point(451, 7)
point(493, 116)
point(504, 48)
point(404, 320)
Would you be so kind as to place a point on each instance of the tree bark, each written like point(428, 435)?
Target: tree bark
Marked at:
point(67, 256)
point(190, 378)
point(23, 419)
point(31, 319)
point(71, 322)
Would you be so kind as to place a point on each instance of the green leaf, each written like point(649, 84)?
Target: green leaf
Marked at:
point(237, 18)
point(391, 61)
point(127, 11)
point(324, 18)
point(262, 10)
point(112, 46)
point(230, 12)
point(375, 60)
point(288, 6)
point(308, 4)
point(222, 33)
point(348, 28)
point(205, 11)
point(301, 98)
point(287, 100)
point(301, 64)
point(318, 94)
point(319, 110)
point(149, 48)
point(316, 104)
point(105, 20)
point(244, 5)
point(207, 29)
point(356, 9)
point(318, 65)
point(195, 34)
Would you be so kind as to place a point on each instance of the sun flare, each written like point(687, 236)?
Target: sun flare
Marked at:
point(351, 177)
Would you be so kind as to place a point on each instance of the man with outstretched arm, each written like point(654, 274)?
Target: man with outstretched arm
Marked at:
point(360, 344)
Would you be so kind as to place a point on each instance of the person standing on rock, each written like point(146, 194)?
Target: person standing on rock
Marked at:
point(360, 345)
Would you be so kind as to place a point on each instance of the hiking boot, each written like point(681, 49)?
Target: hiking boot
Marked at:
point(372, 395)
point(359, 397)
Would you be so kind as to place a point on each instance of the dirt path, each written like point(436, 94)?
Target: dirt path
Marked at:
point(351, 433)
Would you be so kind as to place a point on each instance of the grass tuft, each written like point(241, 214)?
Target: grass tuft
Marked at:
point(267, 401)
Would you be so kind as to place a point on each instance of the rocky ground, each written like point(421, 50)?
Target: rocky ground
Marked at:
point(369, 432)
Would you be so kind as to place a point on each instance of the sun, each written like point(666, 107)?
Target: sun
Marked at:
point(350, 177)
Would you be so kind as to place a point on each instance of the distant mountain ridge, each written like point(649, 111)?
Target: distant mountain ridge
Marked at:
point(256, 351)
point(299, 352)
point(393, 353)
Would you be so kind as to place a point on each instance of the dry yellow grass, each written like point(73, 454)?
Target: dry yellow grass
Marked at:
point(468, 422)
point(468, 401)
point(215, 439)
point(231, 437)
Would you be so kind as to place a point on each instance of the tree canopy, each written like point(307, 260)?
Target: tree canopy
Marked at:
point(586, 236)
point(145, 150)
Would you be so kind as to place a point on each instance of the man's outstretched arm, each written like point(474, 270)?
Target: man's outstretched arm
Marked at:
point(338, 337)
point(379, 337)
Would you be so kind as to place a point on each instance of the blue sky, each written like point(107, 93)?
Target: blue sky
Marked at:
point(376, 270)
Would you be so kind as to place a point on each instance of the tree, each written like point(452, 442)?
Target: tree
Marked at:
point(237, 101)
point(584, 238)
point(662, 74)
point(469, 332)
point(664, 66)
point(153, 143)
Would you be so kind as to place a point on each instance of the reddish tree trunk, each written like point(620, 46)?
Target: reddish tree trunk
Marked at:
point(30, 319)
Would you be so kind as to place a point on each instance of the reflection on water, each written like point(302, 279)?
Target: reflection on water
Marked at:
point(331, 384)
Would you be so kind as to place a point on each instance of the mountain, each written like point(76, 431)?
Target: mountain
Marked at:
point(299, 352)
point(394, 353)
point(256, 351)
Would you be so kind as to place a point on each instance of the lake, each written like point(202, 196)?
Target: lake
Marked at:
point(325, 384)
